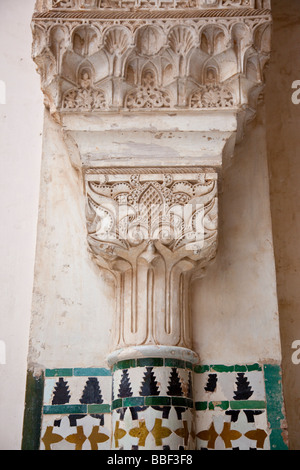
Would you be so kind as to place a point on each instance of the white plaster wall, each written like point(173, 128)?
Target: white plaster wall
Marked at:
point(73, 301)
point(20, 153)
point(235, 309)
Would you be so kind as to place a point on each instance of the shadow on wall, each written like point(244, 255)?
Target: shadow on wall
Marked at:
point(283, 139)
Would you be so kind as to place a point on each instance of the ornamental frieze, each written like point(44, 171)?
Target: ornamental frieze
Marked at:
point(184, 62)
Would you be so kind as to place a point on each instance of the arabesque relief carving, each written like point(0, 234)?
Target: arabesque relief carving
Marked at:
point(152, 230)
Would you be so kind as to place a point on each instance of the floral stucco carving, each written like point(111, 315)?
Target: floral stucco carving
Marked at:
point(152, 229)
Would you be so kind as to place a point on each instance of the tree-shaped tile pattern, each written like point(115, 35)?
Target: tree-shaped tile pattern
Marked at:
point(174, 387)
point(243, 391)
point(92, 393)
point(61, 393)
point(211, 383)
point(125, 385)
point(149, 386)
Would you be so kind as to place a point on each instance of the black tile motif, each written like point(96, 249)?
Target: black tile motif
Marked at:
point(164, 409)
point(174, 387)
point(125, 386)
point(73, 419)
point(251, 413)
point(149, 386)
point(190, 386)
point(234, 415)
point(211, 383)
point(61, 393)
point(244, 391)
point(100, 417)
point(179, 410)
point(92, 392)
point(134, 410)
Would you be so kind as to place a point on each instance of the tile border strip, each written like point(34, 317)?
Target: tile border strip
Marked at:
point(231, 405)
point(200, 369)
point(151, 401)
point(149, 362)
point(32, 420)
point(275, 405)
point(78, 372)
point(152, 362)
point(76, 409)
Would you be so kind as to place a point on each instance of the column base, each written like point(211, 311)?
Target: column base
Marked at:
point(152, 398)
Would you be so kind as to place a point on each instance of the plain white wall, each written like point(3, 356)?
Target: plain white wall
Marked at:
point(21, 121)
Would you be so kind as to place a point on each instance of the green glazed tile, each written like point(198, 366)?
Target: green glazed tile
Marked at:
point(274, 396)
point(92, 372)
point(58, 372)
point(157, 401)
point(169, 362)
point(248, 405)
point(33, 412)
point(150, 362)
point(126, 364)
point(222, 368)
point(133, 401)
point(64, 409)
point(201, 405)
point(118, 403)
point(254, 367)
point(99, 409)
point(200, 369)
point(179, 401)
point(240, 368)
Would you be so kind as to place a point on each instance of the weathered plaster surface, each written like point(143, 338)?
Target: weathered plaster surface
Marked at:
point(72, 300)
point(235, 310)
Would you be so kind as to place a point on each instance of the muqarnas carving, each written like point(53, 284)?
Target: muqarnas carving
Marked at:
point(180, 63)
point(98, 4)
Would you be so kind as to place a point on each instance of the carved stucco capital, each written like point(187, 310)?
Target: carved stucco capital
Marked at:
point(152, 228)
